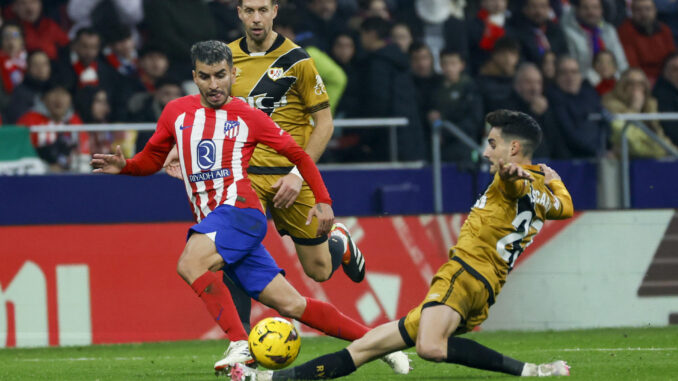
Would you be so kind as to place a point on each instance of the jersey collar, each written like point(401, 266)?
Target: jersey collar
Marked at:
point(276, 44)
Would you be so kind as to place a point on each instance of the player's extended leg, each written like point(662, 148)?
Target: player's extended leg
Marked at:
point(284, 298)
point(281, 296)
point(435, 342)
point(196, 266)
point(376, 343)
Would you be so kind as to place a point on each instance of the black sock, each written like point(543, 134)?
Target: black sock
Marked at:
point(242, 302)
point(336, 246)
point(469, 353)
point(334, 365)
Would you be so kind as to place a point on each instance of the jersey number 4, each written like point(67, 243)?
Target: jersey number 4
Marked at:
point(511, 246)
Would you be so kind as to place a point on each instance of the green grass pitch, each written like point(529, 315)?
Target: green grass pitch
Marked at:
point(600, 354)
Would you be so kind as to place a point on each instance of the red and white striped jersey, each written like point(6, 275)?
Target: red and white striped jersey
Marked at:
point(215, 146)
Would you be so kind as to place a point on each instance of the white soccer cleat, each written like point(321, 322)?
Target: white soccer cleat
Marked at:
point(240, 372)
point(398, 361)
point(556, 368)
point(238, 352)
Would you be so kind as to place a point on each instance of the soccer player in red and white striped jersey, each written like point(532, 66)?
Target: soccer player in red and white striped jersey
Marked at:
point(216, 135)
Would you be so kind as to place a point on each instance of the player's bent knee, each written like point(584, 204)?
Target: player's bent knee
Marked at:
point(319, 272)
point(292, 308)
point(430, 352)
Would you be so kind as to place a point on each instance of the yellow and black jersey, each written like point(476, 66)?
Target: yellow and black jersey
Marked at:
point(284, 83)
point(503, 222)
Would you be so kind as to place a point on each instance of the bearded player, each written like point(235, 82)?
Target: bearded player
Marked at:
point(278, 77)
point(500, 226)
point(216, 135)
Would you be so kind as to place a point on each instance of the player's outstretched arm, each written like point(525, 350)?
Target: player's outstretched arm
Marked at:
point(563, 207)
point(106, 163)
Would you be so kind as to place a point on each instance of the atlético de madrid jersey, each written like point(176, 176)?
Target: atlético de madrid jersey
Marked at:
point(215, 146)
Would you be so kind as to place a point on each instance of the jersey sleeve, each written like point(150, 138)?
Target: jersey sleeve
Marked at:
point(561, 207)
point(267, 132)
point(152, 157)
point(310, 86)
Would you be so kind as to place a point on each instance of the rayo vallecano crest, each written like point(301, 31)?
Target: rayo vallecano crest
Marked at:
point(275, 73)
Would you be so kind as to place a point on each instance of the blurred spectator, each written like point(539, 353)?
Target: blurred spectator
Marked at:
point(225, 13)
point(457, 100)
point(12, 60)
point(437, 23)
point(485, 29)
point(29, 92)
point(574, 101)
point(40, 32)
point(387, 88)
point(121, 54)
point(615, 11)
point(666, 92)
point(667, 12)
point(647, 42)
point(321, 19)
point(343, 52)
point(632, 95)
point(547, 66)
point(496, 75)
point(535, 32)
point(82, 65)
point(377, 8)
point(425, 80)
point(402, 36)
point(528, 97)
point(167, 90)
point(331, 73)
point(92, 106)
point(606, 69)
point(153, 65)
point(106, 17)
point(55, 108)
point(174, 25)
point(587, 34)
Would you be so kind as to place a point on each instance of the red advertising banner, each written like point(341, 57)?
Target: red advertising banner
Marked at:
point(92, 284)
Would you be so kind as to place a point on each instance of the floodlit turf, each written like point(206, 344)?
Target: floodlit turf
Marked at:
point(601, 354)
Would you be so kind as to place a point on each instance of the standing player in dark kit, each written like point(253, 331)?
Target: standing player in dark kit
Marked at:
point(500, 226)
point(216, 136)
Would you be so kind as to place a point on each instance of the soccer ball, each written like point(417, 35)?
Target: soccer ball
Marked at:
point(274, 343)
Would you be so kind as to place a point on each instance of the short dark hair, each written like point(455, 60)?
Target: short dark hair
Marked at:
point(506, 44)
point(519, 125)
point(211, 52)
point(273, 2)
point(418, 45)
point(86, 30)
point(451, 52)
point(377, 24)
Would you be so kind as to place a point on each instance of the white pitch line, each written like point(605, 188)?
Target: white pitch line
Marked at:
point(617, 349)
point(105, 358)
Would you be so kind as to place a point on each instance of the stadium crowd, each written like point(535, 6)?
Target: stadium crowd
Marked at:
point(560, 61)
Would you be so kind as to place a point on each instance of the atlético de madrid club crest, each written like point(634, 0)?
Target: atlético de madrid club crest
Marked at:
point(231, 128)
point(275, 73)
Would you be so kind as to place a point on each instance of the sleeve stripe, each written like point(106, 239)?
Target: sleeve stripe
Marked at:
point(318, 107)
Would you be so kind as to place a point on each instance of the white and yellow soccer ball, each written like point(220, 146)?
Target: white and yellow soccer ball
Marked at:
point(274, 343)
